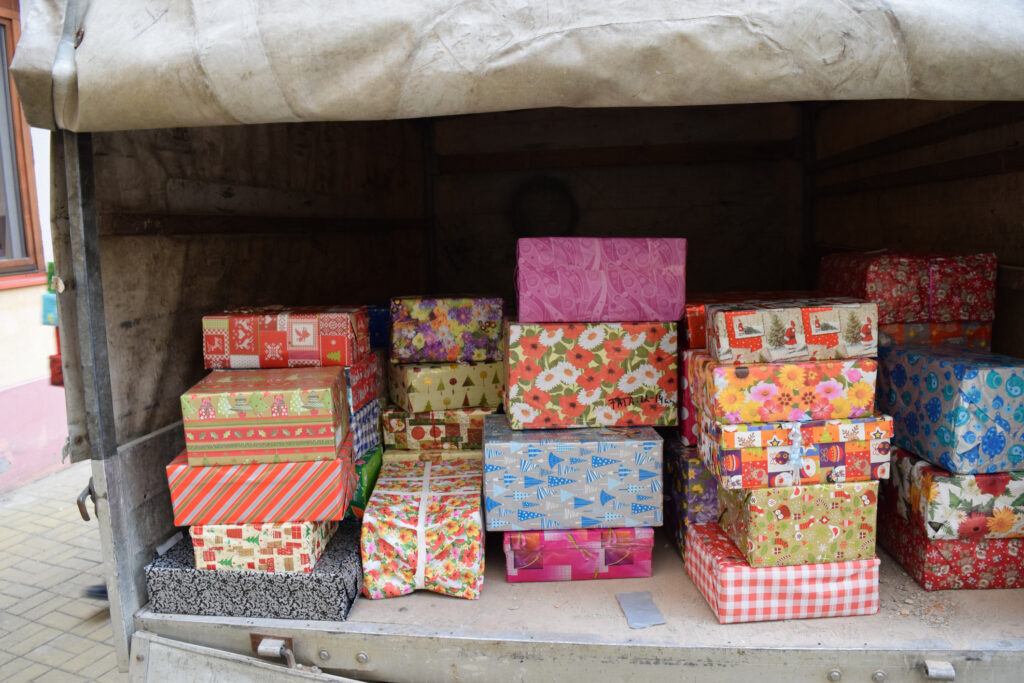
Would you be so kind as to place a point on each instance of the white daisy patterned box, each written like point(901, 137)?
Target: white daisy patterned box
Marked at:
point(571, 479)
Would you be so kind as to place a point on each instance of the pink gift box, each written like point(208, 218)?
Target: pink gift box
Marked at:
point(578, 554)
point(590, 279)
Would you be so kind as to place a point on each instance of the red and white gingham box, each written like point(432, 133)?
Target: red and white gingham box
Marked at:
point(739, 593)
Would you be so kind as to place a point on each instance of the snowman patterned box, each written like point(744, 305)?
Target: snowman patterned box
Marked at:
point(790, 525)
point(571, 479)
point(959, 409)
point(275, 415)
point(801, 329)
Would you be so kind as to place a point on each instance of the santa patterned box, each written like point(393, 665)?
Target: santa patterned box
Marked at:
point(739, 593)
point(788, 330)
point(367, 469)
point(791, 525)
point(578, 555)
point(312, 491)
point(288, 547)
point(571, 479)
point(570, 279)
point(953, 506)
point(758, 455)
point(695, 335)
point(915, 288)
point(591, 374)
point(783, 392)
point(282, 415)
point(973, 335)
point(423, 527)
point(279, 337)
point(961, 410)
point(425, 387)
point(459, 429)
point(446, 330)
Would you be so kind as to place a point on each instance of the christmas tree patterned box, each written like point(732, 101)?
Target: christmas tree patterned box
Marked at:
point(279, 415)
point(591, 375)
point(365, 428)
point(458, 429)
point(954, 506)
point(288, 547)
point(423, 527)
point(571, 479)
point(578, 555)
point(760, 455)
point(801, 329)
point(972, 335)
point(425, 387)
point(791, 525)
point(367, 470)
point(439, 330)
point(281, 337)
point(797, 391)
point(961, 410)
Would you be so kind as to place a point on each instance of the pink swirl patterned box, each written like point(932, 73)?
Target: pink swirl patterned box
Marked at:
point(556, 555)
point(591, 279)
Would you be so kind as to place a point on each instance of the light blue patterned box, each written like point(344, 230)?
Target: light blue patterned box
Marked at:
point(961, 410)
point(571, 478)
point(365, 427)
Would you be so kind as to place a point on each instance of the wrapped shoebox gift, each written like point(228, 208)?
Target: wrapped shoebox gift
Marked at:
point(691, 492)
point(688, 431)
point(324, 594)
point(423, 527)
point(282, 337)
point(739, 593)
point(695, 335)
point(361, 382)
point(571, 479)
point(425, 387)
point(973, 335)
point(591, 375)
point(783, 392)
point(959, 409)
point(312, 491)
point(811, 524)
point(915, 287)
point(578, 554)
point(380, 326)
point(952, 506)
point(367, 469)
point(801, 329)
point(572, 279)
point(949, 564)
point(279, 415)
point(365, 428)
point(458, 429)
point(446, 329)
point(758, 455)
point(287, 547)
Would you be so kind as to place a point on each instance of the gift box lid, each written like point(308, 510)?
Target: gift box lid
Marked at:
point(498, 432)
point(581, 539)
point(270, 379)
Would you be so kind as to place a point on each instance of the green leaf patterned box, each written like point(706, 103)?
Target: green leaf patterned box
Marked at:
point(423, 387)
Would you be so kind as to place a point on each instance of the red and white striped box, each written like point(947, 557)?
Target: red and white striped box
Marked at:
point(739, 593)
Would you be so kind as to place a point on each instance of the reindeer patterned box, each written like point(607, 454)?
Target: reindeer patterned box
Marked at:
point(791, 525)
point(801, 329)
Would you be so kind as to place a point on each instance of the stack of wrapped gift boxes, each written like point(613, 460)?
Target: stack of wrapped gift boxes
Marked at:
point(423, 528)
point(785, 399)
point(574, 470)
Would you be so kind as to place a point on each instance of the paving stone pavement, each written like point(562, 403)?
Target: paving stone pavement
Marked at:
point(49, 631)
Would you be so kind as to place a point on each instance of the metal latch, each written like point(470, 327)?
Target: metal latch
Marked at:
point(279, 648)
point(89, 492)
point(938, 671)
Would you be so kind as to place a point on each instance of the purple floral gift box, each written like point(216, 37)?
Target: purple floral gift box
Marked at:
point(453, 330)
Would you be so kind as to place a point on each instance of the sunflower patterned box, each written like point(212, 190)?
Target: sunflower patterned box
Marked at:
point(571, 479)
point(423, 527)
point(280, 337)
point(802, 329)
point(425, 387)
point(783, 392)
point(367, 469)
point(791, 525)
point(591, 374)
point(578, 555)
point(952, 506)
point(760, 455)
point(446, 330)
point(973, 335)
point(288, 547)
point(961, 410)
point(459, 429)
point(279, 415)
point(739, 593)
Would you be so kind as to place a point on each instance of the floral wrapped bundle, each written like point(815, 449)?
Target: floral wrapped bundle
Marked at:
point(429, 330)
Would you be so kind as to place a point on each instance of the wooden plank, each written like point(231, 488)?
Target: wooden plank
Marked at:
point(205, 224)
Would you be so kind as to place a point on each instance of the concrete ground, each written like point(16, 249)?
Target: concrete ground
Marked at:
point(49, 631)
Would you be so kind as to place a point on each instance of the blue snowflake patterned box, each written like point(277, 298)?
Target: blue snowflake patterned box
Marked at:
point(961, 410)
point(571, 478)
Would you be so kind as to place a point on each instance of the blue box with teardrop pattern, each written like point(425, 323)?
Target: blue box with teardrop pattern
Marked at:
point(959, 409)
point(571, 478)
